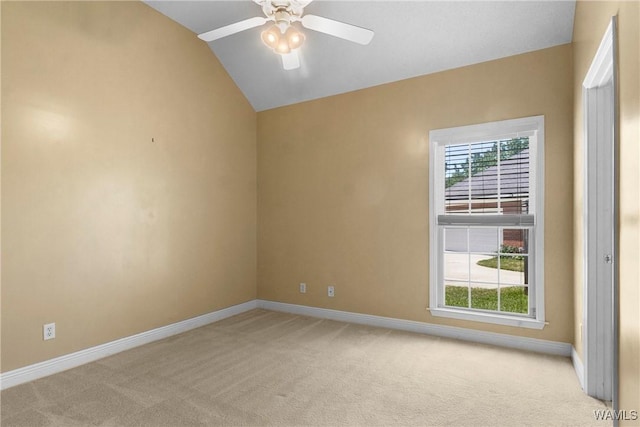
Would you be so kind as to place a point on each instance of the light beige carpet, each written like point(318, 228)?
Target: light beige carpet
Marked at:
point(267, 368)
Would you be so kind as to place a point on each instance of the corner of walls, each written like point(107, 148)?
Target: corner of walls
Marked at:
point(343, 195)
point(577, 366)
point(128, 177)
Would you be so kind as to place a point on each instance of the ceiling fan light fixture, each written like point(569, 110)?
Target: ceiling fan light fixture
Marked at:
point(271, 37)
point(294, 38)
point(282, 43)
point(283, 47)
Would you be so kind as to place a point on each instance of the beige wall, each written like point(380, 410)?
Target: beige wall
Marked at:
point(108, 233)
point(343, 187)
point(591, 21)
point(104, 231)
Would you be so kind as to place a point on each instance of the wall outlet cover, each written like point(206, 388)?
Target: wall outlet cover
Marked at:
point(49, 331)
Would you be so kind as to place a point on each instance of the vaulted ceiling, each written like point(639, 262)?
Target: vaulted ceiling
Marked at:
point(412, 38)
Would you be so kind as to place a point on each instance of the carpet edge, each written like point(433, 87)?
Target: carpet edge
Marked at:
point(555, 348)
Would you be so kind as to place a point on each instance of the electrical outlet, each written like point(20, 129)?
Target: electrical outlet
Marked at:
point(49, 331)
point(303, 288)
point(331, 291)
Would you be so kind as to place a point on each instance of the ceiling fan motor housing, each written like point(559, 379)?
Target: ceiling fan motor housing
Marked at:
point(283, 10)
point(282, 19)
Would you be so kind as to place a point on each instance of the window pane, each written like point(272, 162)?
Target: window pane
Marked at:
point(456, 295)
point(514, 261)
point(487, 177)
point(483, 240)
point(514, 299)
point(484, 268)
point(456, 267)
point(514, 241)
point(483, 258)
point(484, 177)
point(455, 239)
point(456, 184)
point(512, 269)
point(484, 297)
point(514, 176)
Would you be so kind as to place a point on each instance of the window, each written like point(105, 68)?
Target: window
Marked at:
point(486, 222)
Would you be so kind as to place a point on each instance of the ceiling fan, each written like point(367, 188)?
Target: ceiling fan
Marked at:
point(282, 37)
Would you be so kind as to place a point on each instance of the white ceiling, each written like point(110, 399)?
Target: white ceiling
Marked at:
point(412, 38)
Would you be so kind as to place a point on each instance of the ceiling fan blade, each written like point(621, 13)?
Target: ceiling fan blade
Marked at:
point(338, 29)
point(291, 61)
point(227, 30)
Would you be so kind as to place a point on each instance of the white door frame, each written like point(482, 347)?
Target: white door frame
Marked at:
point(600, 102)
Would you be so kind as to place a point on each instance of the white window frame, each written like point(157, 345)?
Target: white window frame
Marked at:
point(532, 127)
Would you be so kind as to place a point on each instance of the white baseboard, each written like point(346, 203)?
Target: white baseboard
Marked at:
point(578, 366)
point(72, 360)
point(502, 340)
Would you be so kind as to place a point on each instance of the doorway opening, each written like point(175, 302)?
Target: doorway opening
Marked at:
point(600, 222)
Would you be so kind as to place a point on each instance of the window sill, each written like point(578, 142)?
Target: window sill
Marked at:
point(498, 319)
